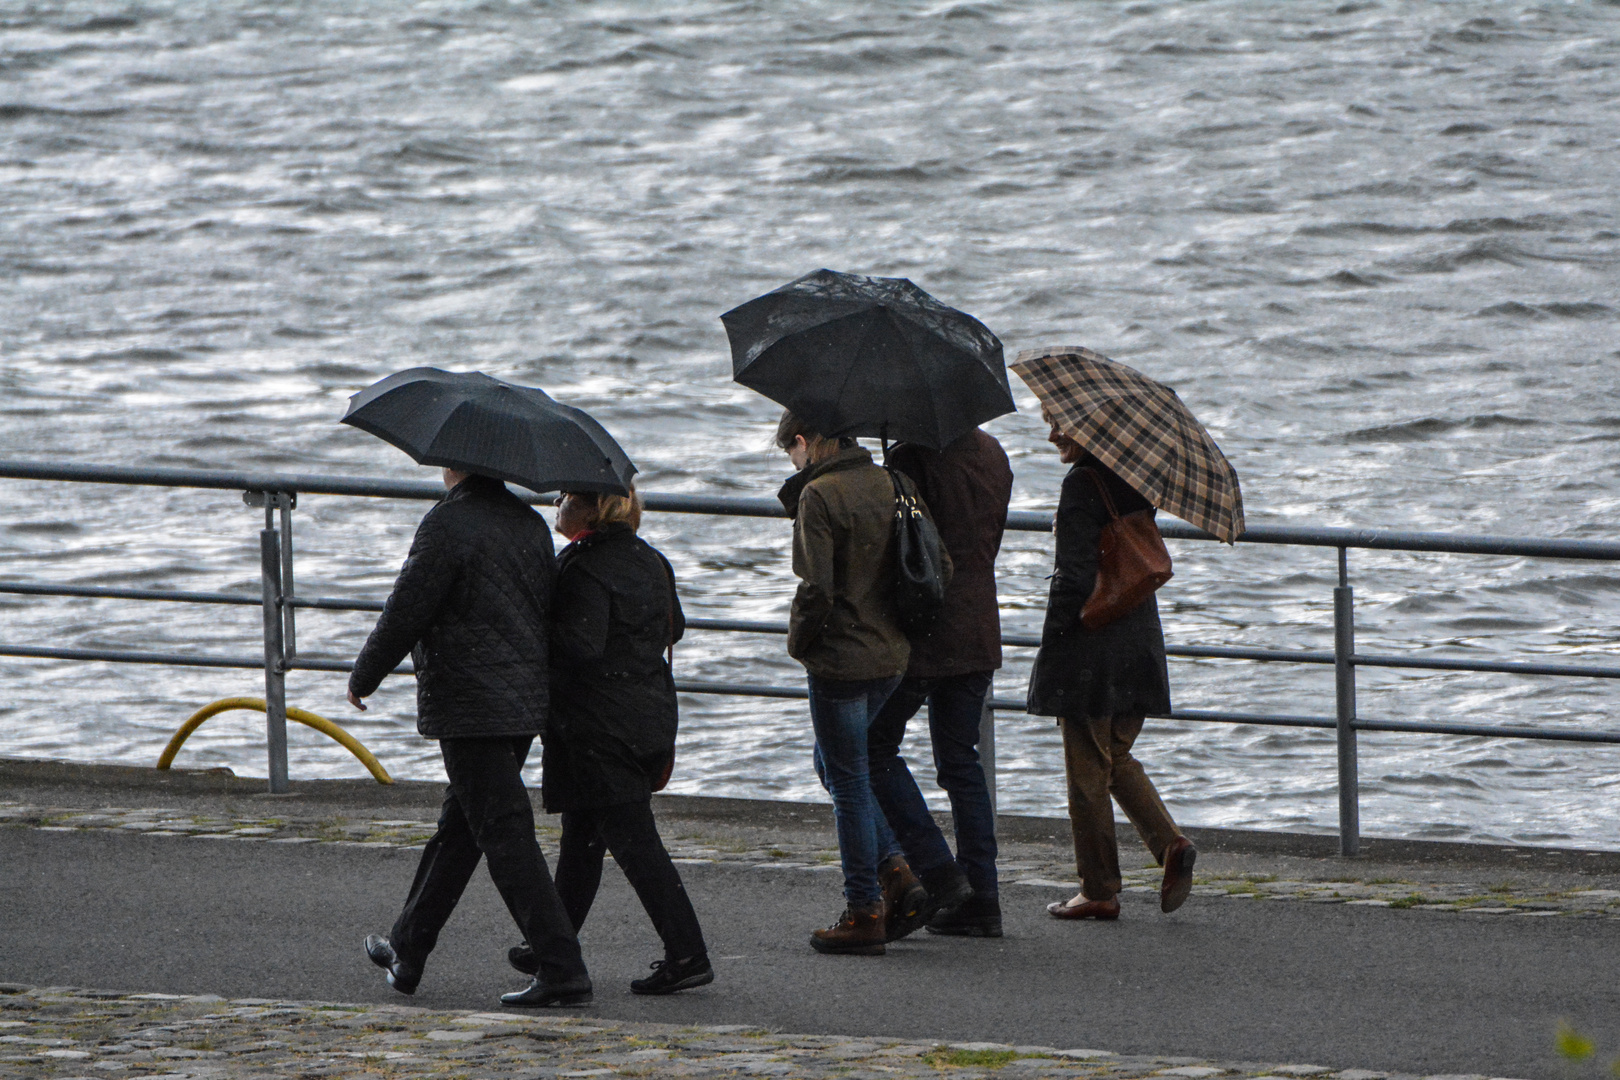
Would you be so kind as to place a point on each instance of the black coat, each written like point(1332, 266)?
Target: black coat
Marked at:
point(472, 607)
point(613, 709)
point(1118, 670)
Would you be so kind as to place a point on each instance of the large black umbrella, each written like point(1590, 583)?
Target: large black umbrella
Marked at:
point(872, 356)
point(472, 423)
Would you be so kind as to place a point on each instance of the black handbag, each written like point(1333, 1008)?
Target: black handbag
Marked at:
point(919, 586)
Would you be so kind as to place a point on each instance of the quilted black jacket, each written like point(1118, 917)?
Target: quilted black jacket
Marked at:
point(472, 606)
point(613, 705)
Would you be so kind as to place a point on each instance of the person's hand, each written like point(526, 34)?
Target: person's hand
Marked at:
point(356, 702)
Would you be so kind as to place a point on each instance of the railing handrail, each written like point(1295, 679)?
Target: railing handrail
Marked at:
point(1017, 520)
point(277, 494)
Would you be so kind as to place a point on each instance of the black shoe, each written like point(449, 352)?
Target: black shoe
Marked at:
point(401, 975)
point(947, 887)
point(540, 994)
point(977, 916)
point(523, 959)
point(669, 976)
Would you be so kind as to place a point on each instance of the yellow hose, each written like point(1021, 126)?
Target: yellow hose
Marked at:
point(308, 719)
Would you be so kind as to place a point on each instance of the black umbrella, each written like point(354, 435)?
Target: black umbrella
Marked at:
point(470, 422)
point(855, 355)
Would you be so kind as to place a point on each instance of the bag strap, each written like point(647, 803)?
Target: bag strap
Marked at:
point(1102, 489)
point(903, 502)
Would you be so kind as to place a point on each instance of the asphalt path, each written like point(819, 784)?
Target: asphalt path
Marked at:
point(1233, 980)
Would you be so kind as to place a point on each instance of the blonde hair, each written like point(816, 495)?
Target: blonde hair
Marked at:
point(614, 509)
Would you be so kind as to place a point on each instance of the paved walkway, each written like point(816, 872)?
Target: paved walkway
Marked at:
point(138, 900)
point(60, 1031)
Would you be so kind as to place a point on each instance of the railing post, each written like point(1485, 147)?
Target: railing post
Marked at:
point(987, 744)
point(289, 628)
point(1344, 684)
point(275, 660)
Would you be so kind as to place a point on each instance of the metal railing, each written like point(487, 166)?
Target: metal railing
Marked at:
point(277, 494)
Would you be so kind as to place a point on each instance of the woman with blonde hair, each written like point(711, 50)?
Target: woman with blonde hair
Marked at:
point(610, 736)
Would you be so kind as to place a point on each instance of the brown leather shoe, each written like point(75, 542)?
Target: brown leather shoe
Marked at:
point(1080, 908)
point(905, 899)
point(858, 932)
point(1178, 874)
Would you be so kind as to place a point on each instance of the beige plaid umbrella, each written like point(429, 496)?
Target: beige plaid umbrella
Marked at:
point(1141, 430)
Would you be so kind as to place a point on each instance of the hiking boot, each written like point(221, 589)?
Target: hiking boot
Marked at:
point(904, 897)
point(668, 976)
point(977, 916)
point(858, 932)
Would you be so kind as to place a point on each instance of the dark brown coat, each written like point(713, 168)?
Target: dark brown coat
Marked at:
point(966, 486)
point(1120, 669)
point(845, 624)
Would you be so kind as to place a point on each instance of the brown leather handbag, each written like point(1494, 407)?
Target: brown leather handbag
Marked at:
point(1132, 562)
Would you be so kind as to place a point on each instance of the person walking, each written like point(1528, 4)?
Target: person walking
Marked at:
point(1100, 684)
point(845, 630)
point(610, 740)
point(967, 487)
point(471, 606)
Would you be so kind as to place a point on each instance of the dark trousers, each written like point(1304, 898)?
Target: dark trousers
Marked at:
point(955, 707)
point(487, 814)
point(630, 833)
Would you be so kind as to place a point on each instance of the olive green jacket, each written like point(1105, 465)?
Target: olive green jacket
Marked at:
point(845, 625)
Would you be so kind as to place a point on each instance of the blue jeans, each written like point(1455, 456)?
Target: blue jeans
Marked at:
point(955, 706)
point(841, 714)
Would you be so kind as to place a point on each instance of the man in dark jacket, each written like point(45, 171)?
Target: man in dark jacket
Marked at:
point(966, 486)
point(472, 606)
point(1100, 684)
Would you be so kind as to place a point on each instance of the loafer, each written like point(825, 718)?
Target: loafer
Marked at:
point(402, 976)
point(540, 994)
point(669, 976)
point(522, 958)
point(1086, 909)
point(1178, 874)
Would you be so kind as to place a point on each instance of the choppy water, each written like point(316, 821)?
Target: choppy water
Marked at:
point(1374, 245)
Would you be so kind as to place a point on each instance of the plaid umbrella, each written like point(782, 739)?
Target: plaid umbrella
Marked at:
point(1139, 428)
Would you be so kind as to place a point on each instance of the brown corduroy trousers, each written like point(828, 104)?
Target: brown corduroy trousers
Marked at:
point(1098, 764)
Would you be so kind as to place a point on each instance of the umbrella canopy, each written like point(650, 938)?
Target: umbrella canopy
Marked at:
point(473, 423)
point(1139, 428)
point(878, 357)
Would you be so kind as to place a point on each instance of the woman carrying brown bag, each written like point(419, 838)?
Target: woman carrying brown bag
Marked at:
point(1100, 684)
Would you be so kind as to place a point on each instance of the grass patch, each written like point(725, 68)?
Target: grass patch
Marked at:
point(1256, 879)
point(943, 1057)
point(1409, 901)
point(778, 853)
point(1385, 881)
point(1502, 887)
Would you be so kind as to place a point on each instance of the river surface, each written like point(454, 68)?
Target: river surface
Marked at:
point(1375, 246)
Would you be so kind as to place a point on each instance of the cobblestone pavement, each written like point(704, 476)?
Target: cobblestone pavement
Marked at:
point(69, 1033)
point(1030, 865)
